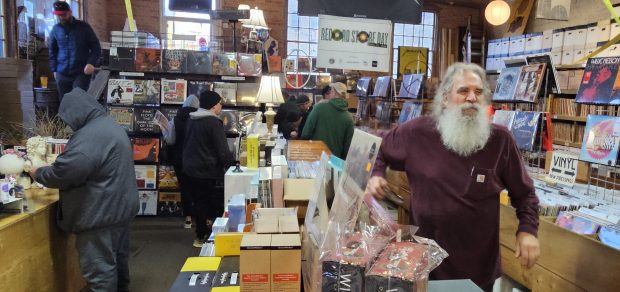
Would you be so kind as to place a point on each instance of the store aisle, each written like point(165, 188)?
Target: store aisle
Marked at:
point(158, 249)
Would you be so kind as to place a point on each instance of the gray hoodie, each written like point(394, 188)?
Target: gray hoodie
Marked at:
point(95, 173)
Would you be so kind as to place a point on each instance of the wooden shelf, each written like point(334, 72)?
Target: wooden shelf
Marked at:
point(569, 67)
point(567, 92)
point(569, 118)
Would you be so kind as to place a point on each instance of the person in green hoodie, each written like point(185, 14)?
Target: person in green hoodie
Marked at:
point(331, 122)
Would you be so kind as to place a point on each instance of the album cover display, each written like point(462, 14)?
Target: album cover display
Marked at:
point(529, 83)
point(224, 64)
point(146, 176)
point(409, 111)
point(525, 128)
point(383, 111)
point(289, 66)
point(197, 87)
point(294, 81)
point(411, 85)
point(551, 81)
point(362, 108)
point(173, 91)
point(143, 120)
point(169, 112)
point(506, 85)
point(122, 59)
point(168, 177)
point(226, 90)
point(174, 61)
point(145, 149)
point(148, 203)
point(504, 118)
point(598, 81)
point(198, 62)
point(148, 60)
point(382, 86)
point(147, 92)
point(246, 93)
point(249, 64)
point(363, 86)
point(169, 204)
point(600, 140)
point(304, 64)
point(120, 91)
point(123, 116)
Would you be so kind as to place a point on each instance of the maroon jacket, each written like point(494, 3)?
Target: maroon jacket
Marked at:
point(455, 200)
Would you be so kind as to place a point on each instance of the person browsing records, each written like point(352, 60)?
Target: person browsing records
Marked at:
point(457, 163)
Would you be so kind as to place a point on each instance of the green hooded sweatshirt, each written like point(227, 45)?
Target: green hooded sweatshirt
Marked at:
point(331, 123)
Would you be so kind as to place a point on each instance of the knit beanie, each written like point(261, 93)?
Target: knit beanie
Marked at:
point(302, 99)
point(209, 99)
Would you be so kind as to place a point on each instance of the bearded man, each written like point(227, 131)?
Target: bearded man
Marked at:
point(457, 163)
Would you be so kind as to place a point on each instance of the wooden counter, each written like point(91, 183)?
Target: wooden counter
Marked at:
point(568, 261)
point(35, 254)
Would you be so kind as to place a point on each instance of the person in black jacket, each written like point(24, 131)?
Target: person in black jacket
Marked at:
point(206, 157)
point(74, 50)
point(175, 138)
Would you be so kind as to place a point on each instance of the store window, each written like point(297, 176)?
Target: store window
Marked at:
point(419, 35)
point(185, 29)
point(302, 32)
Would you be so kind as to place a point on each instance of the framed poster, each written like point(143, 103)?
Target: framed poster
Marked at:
point(412, 60)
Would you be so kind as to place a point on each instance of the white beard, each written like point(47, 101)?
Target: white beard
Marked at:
point(464, 134)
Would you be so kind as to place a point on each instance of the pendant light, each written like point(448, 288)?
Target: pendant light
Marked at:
point(497, 12)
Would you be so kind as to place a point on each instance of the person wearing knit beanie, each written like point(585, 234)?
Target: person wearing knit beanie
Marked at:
point(209, 99)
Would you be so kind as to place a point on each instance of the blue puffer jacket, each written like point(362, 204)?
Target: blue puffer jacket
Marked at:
point(72, 46)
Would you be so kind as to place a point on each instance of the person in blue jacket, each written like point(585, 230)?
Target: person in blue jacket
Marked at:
point(74, 51)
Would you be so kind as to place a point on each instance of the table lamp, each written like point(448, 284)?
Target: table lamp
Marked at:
point(256, 21)
point(270, 93)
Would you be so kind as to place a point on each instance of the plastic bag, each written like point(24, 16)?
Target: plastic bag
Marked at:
point(405, 265)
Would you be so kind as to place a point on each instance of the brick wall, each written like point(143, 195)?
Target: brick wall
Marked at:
point(108, 15)
point(95, 14)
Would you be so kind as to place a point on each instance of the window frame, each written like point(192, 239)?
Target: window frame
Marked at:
point(311, 20)
point(3, 28)
point(420, 41)
point(169, 16)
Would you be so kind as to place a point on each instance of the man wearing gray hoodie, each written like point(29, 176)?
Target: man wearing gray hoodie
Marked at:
point(98, 194)
point(206, 157)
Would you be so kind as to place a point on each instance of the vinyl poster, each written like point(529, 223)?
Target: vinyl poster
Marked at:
point(354, 43)
point(412, 60)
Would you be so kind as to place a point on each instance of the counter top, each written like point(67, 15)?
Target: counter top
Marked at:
point(36, 200)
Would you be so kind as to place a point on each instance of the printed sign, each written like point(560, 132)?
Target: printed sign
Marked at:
point(354, 43)
point(563, 168)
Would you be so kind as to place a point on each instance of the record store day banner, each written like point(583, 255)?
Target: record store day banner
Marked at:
point(354, 43)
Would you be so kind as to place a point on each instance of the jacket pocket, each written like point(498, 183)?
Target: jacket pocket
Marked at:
point(480, 184)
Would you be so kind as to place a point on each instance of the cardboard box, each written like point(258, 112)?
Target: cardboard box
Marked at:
point(266, 225)
point(277, 186)
point(297, 194)
point(286, 263)
point(255, 263)
point(288, 224)
point(197, 274)
point(227, 243)
point(557, 40)
point(567, 57)
point(547, 40)
point(579, 43)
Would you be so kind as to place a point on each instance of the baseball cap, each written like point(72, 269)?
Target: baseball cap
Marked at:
point(61, 7)
point(339, 87)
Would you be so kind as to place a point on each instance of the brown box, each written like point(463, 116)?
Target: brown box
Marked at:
point(297, 193)
point(285, 263)
point(255, 263)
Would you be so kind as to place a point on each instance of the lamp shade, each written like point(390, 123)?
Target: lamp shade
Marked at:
point(257, 19)
point(497, 12)
point(269, 90)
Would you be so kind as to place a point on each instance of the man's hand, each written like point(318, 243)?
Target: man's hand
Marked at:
point(376, 187)
point(527, 249)
point(294, 135)
point(89, 69)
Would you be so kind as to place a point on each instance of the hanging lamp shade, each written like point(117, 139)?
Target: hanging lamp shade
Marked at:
point(497, 12)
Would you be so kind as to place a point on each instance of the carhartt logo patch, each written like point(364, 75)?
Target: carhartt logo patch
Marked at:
point(480, 178)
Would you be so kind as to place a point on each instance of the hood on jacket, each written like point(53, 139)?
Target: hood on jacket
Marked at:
point(77, 108)
point(192, 101)
point(339, 103)
point(202, 113)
